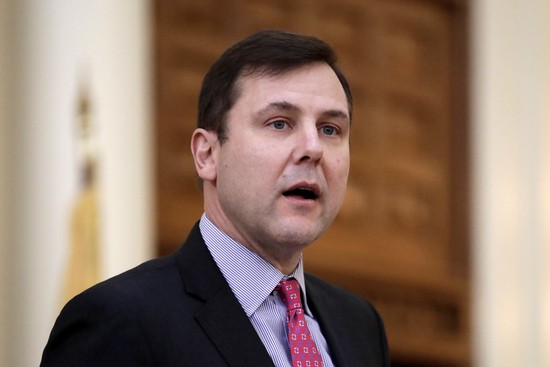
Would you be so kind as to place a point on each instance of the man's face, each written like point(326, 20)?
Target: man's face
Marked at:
point(281, 175)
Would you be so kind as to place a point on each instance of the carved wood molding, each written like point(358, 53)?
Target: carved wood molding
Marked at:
point(401, 238)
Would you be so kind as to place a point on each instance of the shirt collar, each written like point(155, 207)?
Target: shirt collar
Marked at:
point(251, 278)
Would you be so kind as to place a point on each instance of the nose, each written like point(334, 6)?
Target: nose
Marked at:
point(309, 147)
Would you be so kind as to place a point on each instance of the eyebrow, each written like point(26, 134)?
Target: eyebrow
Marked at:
point(336, 114)
point(287, 106)
point(278, 106)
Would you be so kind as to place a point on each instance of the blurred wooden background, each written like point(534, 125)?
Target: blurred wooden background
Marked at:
point(402, 237)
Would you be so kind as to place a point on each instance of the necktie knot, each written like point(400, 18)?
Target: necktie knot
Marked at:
point(289, 291)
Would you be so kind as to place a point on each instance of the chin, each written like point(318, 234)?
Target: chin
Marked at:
point(298, 235)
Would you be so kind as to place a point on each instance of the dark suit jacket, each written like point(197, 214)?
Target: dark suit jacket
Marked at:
point(179, 311)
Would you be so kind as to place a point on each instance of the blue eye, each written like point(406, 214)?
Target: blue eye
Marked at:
point(279, 124)
point(329, 130)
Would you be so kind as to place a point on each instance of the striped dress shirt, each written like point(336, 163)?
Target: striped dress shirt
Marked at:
point(252, 279)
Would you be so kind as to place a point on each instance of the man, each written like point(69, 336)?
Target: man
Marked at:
point(272, 152)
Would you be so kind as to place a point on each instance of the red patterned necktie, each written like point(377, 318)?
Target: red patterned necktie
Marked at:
point(303, 350)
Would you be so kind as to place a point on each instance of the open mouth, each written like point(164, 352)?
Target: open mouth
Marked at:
point(303, 193)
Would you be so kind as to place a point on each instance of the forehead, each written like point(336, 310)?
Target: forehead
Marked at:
point(312, 84)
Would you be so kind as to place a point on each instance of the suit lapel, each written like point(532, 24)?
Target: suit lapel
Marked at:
point(223, 319)
point(337, 327)
point(221, 316)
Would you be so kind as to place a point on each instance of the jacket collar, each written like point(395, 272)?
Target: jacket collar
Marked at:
point(221, 316)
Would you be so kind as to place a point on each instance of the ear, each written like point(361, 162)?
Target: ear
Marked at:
point(204, 145)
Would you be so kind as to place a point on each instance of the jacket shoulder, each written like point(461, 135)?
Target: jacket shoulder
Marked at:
point(84, 331)
point(333, 293)
point(351, 324)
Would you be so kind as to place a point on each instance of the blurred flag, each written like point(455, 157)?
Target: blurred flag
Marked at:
point(83, 262)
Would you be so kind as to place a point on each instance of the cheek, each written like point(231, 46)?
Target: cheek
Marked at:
point(250, 164)
point(265, 156)
point(340, 182)
point(341, 168)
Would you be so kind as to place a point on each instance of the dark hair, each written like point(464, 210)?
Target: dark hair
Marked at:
point(271, 52)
